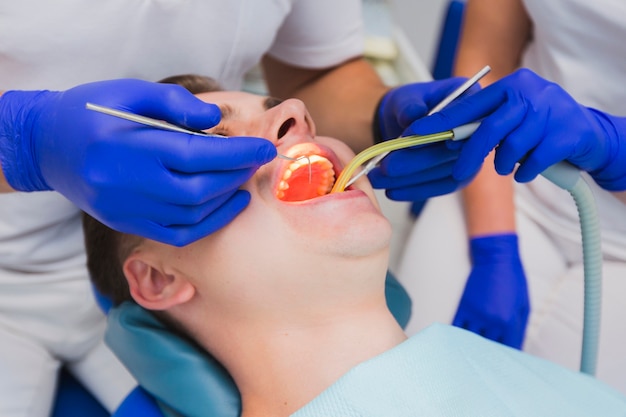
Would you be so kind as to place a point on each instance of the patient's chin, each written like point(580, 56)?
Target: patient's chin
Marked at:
point(352, 239)
point(366, 240)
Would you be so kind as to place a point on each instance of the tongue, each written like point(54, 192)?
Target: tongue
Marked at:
point(300, 188)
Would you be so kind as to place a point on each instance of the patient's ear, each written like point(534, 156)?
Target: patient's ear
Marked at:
point(151, 287)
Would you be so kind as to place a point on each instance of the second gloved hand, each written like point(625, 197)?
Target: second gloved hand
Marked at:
point(167, 186)
point(536, 123)
point(495, 301)
point(418, 173)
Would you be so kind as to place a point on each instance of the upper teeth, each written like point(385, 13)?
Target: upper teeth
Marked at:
point(326, 173)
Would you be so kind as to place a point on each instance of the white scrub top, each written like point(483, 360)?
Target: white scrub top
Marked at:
point(60, 44)
point(584, 51)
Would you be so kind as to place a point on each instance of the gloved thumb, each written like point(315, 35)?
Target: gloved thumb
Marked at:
point(182, 109)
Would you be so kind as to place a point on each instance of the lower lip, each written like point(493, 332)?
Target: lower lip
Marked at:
point(345, 195)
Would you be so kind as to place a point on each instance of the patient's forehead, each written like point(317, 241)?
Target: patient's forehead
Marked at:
point(239, 100)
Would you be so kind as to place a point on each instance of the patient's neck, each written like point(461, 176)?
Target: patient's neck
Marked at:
point(284, 360)
point(292, 365)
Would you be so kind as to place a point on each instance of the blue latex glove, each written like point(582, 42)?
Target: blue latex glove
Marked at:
point(168, 186)
point(138, 403)
point(534, 122)
point(405, 173)
point(495, 301)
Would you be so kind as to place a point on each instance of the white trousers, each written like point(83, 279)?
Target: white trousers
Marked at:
point(435, 266)
point(44, 325)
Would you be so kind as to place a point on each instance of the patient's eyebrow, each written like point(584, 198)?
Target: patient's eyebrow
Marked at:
point(271, 102)
point(226, 110)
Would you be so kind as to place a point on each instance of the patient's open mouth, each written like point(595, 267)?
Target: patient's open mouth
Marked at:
point(301, 182)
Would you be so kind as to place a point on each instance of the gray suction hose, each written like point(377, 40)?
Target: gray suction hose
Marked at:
point(568, 177)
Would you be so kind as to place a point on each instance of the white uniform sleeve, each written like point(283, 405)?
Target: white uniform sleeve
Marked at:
point(320, 33)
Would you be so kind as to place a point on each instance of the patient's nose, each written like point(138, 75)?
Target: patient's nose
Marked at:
point(290, 118)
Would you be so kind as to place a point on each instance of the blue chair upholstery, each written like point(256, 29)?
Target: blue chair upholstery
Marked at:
point(138, 403)
point(73, 400)
point(448, 40)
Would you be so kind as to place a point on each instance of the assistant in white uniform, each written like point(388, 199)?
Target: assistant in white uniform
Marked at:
point(47, 312)
point(579, 45)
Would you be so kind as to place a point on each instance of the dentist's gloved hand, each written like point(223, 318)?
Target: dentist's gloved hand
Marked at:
point(534, 122)
point(409, 174)
point(168, 186)
point(495, 301)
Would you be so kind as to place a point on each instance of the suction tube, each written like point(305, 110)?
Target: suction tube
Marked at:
point(568, 177)
point(565, 176)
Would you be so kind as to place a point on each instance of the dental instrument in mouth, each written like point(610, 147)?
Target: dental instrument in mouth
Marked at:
point(443, 103)
point(148, 121)
point(299, 159)
point(458, 133)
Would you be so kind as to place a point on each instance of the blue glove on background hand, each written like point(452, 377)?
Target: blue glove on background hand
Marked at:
point(495, 301)
point(168, 186)
point(535, 122)
point(412, 174)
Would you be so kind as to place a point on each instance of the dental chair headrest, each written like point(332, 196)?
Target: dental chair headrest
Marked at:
point(184, 379)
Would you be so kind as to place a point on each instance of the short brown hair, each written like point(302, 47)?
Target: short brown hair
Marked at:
point(107, 248)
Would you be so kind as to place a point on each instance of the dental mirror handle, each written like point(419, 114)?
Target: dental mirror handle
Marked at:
point(147, 121)
point(460, 90)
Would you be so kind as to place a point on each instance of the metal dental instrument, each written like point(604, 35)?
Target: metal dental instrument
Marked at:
point(460, 90)
point(443, 103)
point(148, 121)
point(297, 159)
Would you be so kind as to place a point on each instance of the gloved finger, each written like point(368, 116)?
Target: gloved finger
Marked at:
point(454, 145)
point(534, 133)
point(380, 180)
point(474, 325)
point(181, 235)
point(463, 110)
point(409, 102)
point(486, 327)
point(424, 191)
point(493, 331)
point(548, 152)
point(417, 159)
point(520, 141)
point(491, 131)
point(475, 105)
point(167, 215)
point(175, 104)
point(514, 337)
point(444, 87)
point(192, 153)
point(461, 321)
point(400, 107)
point(197, 189)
